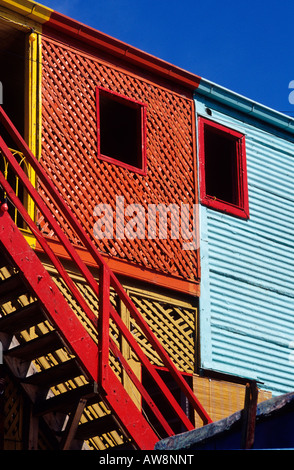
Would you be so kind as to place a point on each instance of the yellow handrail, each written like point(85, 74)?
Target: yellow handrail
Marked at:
point(24, 165)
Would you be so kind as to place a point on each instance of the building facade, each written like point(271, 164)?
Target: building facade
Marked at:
point(247, 256)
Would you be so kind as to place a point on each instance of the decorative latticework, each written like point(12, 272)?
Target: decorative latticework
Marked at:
point(173, 320)
point(69, 154)
point(174, 325)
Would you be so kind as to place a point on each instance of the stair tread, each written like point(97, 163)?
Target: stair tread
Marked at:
point(21, 319)
point(37, 347)
point(55, 375)
point(66, 400)
point(95, 427)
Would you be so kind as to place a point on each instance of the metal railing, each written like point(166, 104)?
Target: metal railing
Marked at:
point(107, 282)
point(15, 181)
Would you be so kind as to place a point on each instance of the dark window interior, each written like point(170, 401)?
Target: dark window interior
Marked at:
point(221, 160)
point(120, 130)
point(12, 75)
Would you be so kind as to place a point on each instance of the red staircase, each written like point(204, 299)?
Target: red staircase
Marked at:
point(88, 356)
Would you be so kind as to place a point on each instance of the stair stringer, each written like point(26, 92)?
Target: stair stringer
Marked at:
point(73, 333)
point(50, 299)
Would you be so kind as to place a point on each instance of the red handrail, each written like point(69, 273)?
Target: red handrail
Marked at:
point(36, 232)
point(46, 248)
point(107, 278)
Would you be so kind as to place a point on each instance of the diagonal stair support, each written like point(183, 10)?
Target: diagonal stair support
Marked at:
point(72, 425)
point(73, 334)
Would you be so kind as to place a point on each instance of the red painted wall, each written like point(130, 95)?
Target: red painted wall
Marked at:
point(69, 150)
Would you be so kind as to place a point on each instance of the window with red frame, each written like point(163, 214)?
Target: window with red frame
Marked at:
point(121, 126)
point(223, 175)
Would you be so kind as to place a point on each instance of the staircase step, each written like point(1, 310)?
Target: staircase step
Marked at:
point(96, 427)
point(55, 375)
point(65, 401)
point(11, 288)
point(37, 347)
point(21, 319)
point(3, 260)
point(125, 446)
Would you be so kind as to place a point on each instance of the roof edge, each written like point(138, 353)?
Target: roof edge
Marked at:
point(90, 36)
point(244, 105)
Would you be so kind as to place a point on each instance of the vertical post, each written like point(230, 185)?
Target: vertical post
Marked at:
point(249, 415)
point(31, 428)
point(103, 325)
point(72, 424)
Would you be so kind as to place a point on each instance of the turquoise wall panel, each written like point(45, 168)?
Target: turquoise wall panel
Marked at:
point(247, 266)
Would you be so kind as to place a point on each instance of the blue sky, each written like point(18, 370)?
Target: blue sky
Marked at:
point(246, 46)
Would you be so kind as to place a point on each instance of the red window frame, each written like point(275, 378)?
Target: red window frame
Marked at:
point(241, 209)
point(132, 103)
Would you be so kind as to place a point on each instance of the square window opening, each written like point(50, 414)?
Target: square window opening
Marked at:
point(223, 176)
point(221, 166)
point(121, 131)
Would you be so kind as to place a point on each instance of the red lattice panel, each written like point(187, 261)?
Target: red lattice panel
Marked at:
point(69, 153)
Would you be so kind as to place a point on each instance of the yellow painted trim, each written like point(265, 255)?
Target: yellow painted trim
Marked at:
point(29, 9)
point(33, 93)
point(174, 299)
point(33, 112)
point(39, 100)
point(133, 363)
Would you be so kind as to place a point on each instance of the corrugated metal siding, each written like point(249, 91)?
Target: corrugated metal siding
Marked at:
point(247, 268)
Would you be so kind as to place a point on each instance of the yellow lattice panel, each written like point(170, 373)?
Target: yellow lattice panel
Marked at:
point(174, 324)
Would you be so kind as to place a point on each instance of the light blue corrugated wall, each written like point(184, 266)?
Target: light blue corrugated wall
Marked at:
point(247, 268)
